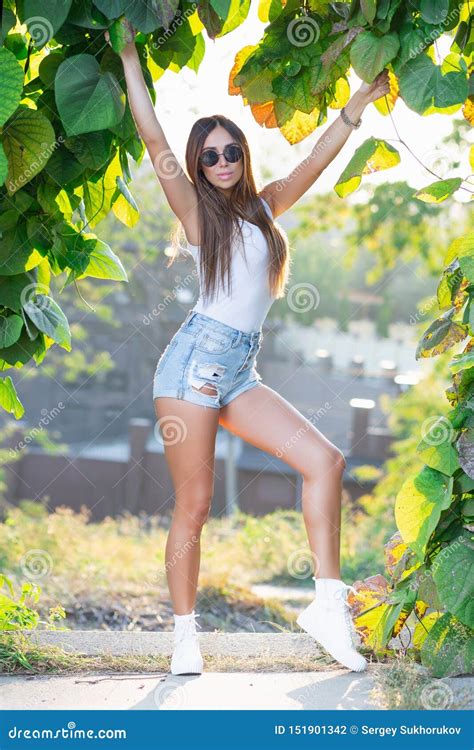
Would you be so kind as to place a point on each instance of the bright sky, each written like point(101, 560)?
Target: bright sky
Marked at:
point(182, 98)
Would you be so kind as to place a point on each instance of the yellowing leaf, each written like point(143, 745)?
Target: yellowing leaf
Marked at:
point(263, 10)
point(155, 70)
point(438, 191)
point(341, 95)
point(372, 613)
point(239, 61)
point(468, 110)
point(393, 552)
point(418, 507)
point(264, 114)
point(392, 96)
point(125, 212)
point(372, 156)
point(300, 126)
point(195, 23)
point(423, 628)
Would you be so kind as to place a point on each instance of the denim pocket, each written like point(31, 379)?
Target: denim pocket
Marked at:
point(213, 342)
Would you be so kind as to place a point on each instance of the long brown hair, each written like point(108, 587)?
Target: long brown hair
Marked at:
point(219, 216)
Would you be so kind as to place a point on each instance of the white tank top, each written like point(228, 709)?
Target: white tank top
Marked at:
point(247, 306)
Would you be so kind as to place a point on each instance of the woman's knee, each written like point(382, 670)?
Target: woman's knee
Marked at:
point(193, 511)
point(329, 461)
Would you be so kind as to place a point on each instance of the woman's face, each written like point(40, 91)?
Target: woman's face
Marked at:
point(224, 174)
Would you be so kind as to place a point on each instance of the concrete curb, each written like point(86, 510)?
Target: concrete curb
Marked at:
point(119, 643)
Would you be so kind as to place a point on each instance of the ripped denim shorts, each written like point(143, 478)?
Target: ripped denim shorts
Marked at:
point(206, 352)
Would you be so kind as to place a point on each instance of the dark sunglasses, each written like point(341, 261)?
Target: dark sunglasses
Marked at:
point(210, 157)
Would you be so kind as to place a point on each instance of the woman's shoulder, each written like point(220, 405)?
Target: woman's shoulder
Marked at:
point(266, 205)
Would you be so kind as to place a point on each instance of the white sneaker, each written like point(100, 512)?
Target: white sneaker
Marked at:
point(186, 657)
point(328, 620)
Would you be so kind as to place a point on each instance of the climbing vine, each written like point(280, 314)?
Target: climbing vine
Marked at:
point(66, 139)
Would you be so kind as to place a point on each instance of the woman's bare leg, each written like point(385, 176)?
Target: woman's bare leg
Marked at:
point(189, 433)
point(264, 418)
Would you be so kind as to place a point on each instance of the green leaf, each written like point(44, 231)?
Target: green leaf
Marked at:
point(438, 191)
point(148, 16)
point(296, 90)
point(425, 86)
point(87, 99)
point(111, 8)
point(119, 35)
point(21, 351)
point(91, 149)
point(368, 8)
point(221, 7)
point(3, 165)
point(436, 449)
point(238, 12)
point(10, 329)
point(15, 290)
point(460, 361)
point(434, 11)
point(44, 26)
point(453, 573)
point(49, 318)
point(15, 249)
point(372, 156)
point(370, 53)
point(440, 336)
point(63, 167)
point(87, 16)
point(198, 55)
point(11, 84)
point(28, 139)
point(448, 649)
point(103, 263)
point(418, 507)
point(465, 446)
point(461, 247)
point(211, 20)
point(9, 398)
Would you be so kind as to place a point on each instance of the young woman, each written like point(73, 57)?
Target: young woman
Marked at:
point(207, 376)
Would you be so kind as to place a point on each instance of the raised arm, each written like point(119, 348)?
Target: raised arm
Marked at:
point(179, 190)
point(283, 193)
